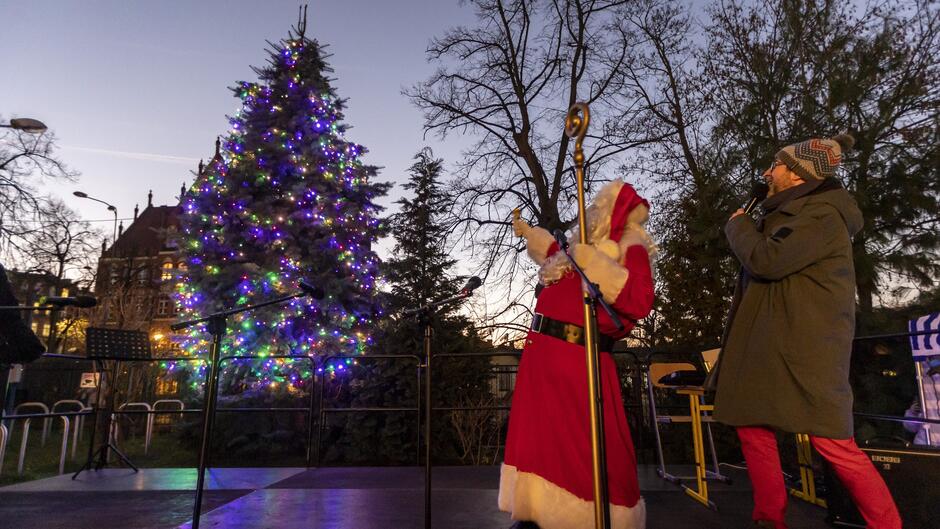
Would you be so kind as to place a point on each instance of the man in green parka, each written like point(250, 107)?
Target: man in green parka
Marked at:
point(785, 362)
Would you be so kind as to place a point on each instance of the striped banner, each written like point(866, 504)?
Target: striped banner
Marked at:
point(925, 348)
point(925, 344)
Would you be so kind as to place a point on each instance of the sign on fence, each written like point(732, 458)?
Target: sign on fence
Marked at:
point(925, 344)
point(89, 380)
point(926, 351)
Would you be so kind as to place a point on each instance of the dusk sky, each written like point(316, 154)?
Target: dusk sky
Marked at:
point(136, 91)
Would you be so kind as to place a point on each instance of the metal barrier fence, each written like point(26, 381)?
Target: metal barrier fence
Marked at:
point(888, 385)
point(24, 439)
point(317, 406)
point(78, 415)
point(638, 362)
point(386, 409)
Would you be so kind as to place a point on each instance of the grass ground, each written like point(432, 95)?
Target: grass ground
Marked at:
point(166, 450)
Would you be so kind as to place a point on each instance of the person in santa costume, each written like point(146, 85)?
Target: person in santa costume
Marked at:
point(546, 477)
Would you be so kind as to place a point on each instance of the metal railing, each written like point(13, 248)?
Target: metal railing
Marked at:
point(78, 415)
point(308, 411)
point(79, 419)
point(148, 423)
point(24, 439)
point(387, 409)
point(4, 435)
point(18, 410)
point(319, 409)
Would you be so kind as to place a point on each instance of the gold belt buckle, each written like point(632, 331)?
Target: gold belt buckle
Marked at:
point(574, 334)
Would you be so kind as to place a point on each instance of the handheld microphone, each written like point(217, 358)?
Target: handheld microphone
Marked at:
point(83, 302)
point(933, 365)
point(472, 284)
point(561, 239)
point(758, 194)
point(314, 292)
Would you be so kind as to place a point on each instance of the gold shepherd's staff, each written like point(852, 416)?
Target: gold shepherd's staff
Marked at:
point(576, 124)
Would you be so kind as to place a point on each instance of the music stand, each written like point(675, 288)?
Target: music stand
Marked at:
point(111, 344)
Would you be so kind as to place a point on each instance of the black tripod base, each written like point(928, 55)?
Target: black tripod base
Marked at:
point(100, 459)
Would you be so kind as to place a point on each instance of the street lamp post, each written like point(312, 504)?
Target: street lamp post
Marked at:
point(30, 125)
point(111, 208)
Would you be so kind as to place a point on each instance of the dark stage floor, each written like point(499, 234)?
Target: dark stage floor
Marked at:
point(333, 498)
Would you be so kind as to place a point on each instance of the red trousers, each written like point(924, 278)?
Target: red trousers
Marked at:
point(850, 464)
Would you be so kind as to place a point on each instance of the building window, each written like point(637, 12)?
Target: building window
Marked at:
point(181, 266)
point(166, 387)
point(65, 293)
point(144, 276)
point(505, 379)
point(163, 307)
point(167, 273)
point(115, 274)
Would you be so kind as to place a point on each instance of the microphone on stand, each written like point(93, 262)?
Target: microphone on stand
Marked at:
point(561, 239)
point(758, 194)
point(472, 284)
point(933, 365)
point(313, 291)
point(83, 302)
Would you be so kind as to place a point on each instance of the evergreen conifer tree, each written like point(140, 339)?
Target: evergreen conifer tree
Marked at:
point(418, 269)
point(419, 272)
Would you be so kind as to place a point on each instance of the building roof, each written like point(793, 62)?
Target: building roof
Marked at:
point(31, 281)
point(147, 235)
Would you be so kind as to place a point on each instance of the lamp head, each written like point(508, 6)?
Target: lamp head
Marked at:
point(32, 126)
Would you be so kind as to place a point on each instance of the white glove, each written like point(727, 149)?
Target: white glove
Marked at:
point(520, 227)
point(584, 254)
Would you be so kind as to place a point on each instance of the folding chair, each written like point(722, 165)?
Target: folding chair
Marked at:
point(804, 456)
point(687, 379)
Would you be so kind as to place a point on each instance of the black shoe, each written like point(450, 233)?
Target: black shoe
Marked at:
point(524, 525)
point(764, 524)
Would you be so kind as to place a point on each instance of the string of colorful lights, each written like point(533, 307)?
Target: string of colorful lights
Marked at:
point(289, 199)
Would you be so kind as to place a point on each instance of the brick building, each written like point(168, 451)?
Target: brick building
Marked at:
point(63, 331)
point(136, 276)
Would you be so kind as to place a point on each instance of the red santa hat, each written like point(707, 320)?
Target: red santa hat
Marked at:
point(627, 200)
point(615, 222)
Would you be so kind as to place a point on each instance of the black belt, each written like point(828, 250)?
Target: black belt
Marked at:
point(568, 332)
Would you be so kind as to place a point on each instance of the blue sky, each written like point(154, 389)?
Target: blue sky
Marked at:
point(136, 91)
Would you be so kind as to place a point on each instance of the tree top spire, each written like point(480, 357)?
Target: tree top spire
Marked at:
point(301, 21)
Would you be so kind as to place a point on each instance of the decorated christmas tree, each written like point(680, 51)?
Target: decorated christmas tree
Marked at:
point(287, 199)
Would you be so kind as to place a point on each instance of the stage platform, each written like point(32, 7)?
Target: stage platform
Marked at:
point(331, 498)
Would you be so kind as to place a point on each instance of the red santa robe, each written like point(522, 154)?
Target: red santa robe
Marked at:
point(547, 476)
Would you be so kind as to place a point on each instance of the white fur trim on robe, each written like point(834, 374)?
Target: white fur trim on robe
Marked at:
point(528, 496)
point(538, 242)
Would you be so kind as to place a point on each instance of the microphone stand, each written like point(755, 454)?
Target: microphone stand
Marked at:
point(32, 307)
point(593, 298)
point(217, 327)
point(576, 125)
point(424, 315)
